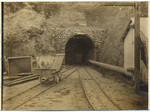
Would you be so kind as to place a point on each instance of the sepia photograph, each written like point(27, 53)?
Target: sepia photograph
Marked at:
point(75, 55)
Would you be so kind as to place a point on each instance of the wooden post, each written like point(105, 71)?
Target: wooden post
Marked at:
point(137, 37)
point(137, 47)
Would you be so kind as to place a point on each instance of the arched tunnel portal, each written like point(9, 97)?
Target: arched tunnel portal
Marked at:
point(79, 49)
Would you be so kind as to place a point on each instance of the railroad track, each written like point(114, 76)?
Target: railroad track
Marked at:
point(60, 72)
point(94, 91)
point(84, 90)
point(95, 95)
point(29, 94)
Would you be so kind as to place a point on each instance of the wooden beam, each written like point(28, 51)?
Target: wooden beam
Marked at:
point(137, 38)
point(103, 3)
point(137, 43)
point(119, 4)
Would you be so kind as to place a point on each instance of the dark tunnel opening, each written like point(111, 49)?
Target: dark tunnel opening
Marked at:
point(79, 49)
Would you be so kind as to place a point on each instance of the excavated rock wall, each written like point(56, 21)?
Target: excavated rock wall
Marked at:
point(116, 20)
point(21, 31)
point(98, 36)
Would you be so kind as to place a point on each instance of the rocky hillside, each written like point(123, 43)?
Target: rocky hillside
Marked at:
point(27, 26)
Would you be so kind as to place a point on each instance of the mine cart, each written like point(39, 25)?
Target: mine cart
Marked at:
point(19, 71)
point(49, 67)
point(19, 65)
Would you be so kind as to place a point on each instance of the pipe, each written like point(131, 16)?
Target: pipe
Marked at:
point(112, 67)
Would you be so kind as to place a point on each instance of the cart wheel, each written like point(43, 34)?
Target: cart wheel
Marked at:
point(43, 79)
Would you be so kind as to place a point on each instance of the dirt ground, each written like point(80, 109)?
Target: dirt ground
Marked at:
point(66, 95)
point(69, 94)
point(120, 91)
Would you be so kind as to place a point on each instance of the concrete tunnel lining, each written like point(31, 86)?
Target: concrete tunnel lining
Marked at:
point(79, 49)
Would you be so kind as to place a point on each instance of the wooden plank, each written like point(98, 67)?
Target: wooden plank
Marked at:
point(144, 73)
point(19, 57)
point(111, 3)
point(129, 49)
point(118, 4)
point(144, 50)
point(22, 78)
point(22, 81)
point(11, 77)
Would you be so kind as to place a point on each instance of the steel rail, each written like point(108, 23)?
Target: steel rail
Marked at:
point(34, 86)
point(85, 91)
point(43, 91)
point(103, 90)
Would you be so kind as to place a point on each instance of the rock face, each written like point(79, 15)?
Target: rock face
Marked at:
point(113, 49)
point(26, 33)
point(68, 18)
point(35, 29)
point(19, 30)
point(116, 21)
point(97, 36)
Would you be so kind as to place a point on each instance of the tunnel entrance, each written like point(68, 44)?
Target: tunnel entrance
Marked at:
point(79, 49)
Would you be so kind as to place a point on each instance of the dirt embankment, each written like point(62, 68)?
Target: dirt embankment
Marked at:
point(25, 33)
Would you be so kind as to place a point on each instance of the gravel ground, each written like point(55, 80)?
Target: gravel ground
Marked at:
point(66, 95)
point(9, 92)
point(69, 95)
point(121, 93)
